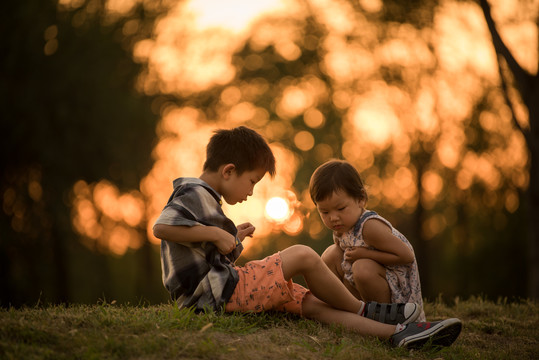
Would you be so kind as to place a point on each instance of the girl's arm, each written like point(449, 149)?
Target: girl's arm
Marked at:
point(224, 241)
point(390, 250)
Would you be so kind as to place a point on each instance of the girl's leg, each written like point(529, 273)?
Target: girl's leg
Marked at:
point(333, 257)
point(302, 260)
point(370, 280)
point(316, 309)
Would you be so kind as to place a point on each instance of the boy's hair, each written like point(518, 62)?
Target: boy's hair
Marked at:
point(241, 146)
point(333, 176)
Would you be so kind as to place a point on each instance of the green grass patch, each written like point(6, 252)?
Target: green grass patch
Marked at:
point(492, 330)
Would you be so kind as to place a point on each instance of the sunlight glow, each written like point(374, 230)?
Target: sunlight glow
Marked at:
point(293, 225)
point(372, 6)
point(277, 209)
point(375, 119)
point(194, 42)
point(441, 74)
point(107, 218)
point(233, 15)
point(120, 6)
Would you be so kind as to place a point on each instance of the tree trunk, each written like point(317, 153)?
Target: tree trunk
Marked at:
point(528, 87)
point(533, 195)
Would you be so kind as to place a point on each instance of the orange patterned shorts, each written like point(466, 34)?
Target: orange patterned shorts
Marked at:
point(262, 287)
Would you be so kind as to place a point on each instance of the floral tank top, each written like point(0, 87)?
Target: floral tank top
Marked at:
point(403, 280)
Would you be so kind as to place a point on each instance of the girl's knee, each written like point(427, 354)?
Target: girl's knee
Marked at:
point(333, 254)
point(365, 270)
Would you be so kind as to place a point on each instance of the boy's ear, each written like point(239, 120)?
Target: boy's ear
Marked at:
point(227, 170)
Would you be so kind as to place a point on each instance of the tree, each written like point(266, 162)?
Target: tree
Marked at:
point(512, 74)
point(69, 111)
point(406, 97)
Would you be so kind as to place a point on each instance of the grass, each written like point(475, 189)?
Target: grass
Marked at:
point(492, 330)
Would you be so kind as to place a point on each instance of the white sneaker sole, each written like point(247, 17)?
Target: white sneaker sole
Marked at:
point(442, 334)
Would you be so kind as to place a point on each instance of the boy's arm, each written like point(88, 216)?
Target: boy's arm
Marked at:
point(224, 241)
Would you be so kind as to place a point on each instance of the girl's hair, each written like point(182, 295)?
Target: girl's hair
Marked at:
point(241, 146)
point(333, 176)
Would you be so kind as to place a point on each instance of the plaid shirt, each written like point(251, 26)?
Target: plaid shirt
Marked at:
point(196, 274)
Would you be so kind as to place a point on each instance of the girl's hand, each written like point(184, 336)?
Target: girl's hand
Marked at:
point(246, 229)
point(355, 253)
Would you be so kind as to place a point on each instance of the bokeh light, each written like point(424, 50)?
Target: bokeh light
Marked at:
point(277, 209)
point(106, 218)
point(443, 72)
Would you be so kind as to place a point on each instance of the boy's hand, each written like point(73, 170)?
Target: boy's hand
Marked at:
point(223, 240)
point(246, 229)
point(226, 243)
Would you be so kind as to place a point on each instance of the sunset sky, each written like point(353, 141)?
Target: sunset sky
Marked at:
point(191, 51)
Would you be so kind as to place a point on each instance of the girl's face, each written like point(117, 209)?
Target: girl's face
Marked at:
point(340, 212)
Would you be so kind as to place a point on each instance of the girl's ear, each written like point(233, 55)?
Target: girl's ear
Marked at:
point(227, 170)
point(362, 203)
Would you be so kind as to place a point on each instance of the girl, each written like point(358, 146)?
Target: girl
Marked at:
point(373, 260)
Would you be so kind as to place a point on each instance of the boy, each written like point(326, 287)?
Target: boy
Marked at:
point(200, 244)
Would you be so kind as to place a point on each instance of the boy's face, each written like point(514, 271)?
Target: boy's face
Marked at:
point(237, 188)
point(340, 212)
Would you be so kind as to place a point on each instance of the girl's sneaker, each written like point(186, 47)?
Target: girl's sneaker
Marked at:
point(393, 314)
point(434, 334)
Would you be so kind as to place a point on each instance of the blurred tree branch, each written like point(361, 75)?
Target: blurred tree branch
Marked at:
point(528, 88)
point(524, 80)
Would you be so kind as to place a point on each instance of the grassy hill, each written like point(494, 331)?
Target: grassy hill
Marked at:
point(500, 330)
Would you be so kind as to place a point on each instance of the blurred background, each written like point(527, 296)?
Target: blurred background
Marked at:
point(105, 102)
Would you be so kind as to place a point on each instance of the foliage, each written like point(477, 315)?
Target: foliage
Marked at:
point(491, 331)
point(457, 210)
point(69, 111)
point(76, 107)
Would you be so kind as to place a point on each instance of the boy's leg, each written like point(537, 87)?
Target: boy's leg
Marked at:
point(415, 335)
point(333, 257)
point(370, 280)
point(323, 283)
point(316, 309)
point(302, 260)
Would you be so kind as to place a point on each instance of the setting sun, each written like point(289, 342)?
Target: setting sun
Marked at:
point(407, 135)
point(277, 209)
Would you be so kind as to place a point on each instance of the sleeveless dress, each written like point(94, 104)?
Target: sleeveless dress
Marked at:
point(403, 280)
